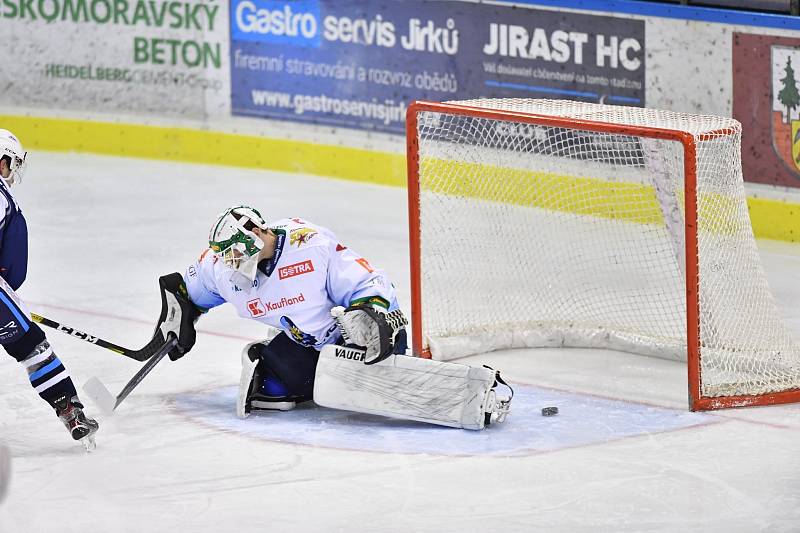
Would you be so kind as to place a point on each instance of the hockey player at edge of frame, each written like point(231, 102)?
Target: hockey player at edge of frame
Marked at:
point(22, 338)
point(336, 332)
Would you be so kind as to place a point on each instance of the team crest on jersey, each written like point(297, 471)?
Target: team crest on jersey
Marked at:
point(256, 308)
point(301, 236)
point(296, 333)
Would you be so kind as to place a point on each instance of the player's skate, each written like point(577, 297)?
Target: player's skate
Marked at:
point(82, 428)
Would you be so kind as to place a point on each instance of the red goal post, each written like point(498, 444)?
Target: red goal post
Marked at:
point(551, 170)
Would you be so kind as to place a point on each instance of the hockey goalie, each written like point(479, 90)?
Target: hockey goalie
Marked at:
point(337, 333)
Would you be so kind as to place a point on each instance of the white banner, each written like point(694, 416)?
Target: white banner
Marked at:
point(131, 56)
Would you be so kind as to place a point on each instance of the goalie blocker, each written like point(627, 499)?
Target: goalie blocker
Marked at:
point(411, 388)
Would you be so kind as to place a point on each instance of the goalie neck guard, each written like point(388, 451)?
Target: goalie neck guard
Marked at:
point(232, 238)
point(11, 149)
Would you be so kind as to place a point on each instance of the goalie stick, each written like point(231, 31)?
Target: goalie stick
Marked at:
point(100, 394)
point(143, 354)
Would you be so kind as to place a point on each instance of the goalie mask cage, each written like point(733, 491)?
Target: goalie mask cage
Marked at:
point(540, 223)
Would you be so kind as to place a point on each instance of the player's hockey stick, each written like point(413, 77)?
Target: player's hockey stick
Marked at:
point(100, 394)
point(142, 354)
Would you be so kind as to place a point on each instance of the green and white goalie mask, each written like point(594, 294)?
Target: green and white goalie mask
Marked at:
point(11, 149)
point(233, 240)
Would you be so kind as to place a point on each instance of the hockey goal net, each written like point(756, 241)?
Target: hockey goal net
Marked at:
point(556, 223)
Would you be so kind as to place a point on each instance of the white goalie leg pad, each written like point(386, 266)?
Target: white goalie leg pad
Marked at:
point(246, 378)
point(437, 392)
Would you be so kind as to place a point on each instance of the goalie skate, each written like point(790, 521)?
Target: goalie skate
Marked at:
point(496, 409)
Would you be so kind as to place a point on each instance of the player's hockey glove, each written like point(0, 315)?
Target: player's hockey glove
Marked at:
point(178, 314)
point(370, 327)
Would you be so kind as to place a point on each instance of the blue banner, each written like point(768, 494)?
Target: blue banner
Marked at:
point(359, 64)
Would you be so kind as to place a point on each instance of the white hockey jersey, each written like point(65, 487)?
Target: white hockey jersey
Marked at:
point(310, 273)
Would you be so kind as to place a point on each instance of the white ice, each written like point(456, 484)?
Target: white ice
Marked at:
point(624, 454)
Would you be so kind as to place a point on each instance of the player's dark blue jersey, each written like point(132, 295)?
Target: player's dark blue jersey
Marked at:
point(13, 240)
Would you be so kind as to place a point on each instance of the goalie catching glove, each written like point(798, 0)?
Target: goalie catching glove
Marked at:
point(178, 314)
point(370, 327)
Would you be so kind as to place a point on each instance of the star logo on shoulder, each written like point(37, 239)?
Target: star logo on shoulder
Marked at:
point(301, 236)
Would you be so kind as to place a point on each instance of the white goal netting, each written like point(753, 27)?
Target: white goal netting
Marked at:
point(537, 234)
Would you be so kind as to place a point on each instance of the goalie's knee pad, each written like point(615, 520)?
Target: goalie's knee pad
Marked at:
point(258, 387)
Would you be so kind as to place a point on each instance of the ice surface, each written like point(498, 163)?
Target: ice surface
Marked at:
point(622, 455)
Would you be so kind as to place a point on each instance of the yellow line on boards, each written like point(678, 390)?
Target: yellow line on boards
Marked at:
point(775, 219)
point(771, 219)
point(202, 146)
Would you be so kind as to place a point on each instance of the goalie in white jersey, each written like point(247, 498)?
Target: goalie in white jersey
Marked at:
point(312, 290)
point(288, 274)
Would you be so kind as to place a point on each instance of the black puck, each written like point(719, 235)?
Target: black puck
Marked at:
point(549, 411)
